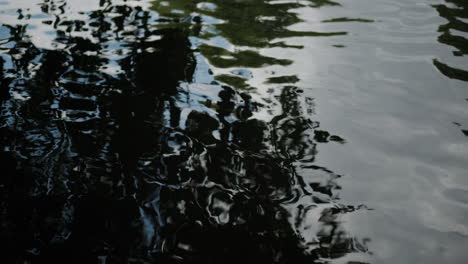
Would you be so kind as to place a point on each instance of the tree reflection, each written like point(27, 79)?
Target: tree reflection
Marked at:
point(234, 31)
point(454, 13)
point(110, 158)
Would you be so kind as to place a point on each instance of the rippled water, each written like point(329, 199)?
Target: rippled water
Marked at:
point(220, 131)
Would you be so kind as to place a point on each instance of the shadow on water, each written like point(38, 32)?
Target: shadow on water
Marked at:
point(113, 154)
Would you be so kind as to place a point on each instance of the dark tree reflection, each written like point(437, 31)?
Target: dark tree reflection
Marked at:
point(455, 11)
point(112, 155)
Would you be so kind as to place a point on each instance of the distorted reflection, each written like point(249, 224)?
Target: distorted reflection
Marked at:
point(455, 11)
point(115, 153)
point(230, 34)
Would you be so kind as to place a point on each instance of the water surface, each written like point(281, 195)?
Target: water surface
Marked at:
point(220, 131)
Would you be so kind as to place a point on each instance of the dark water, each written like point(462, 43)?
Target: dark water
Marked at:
point(242, 131)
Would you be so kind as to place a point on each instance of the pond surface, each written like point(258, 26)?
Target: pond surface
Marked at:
point(243, 131)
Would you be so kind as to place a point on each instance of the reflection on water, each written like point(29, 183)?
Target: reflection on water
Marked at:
point(229, 34)
point(121, 145)
point(166, 131)
point(456, 12)
point(454, 34)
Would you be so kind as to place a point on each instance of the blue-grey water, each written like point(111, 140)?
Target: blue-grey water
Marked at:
point(240, 131)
